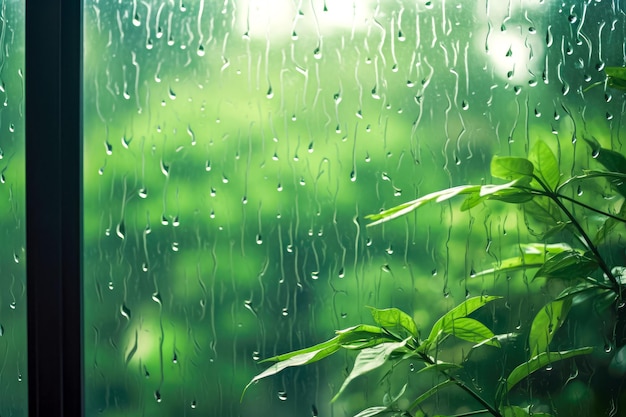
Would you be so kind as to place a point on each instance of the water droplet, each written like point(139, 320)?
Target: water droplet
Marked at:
point(342, 273)
point(200, 50)
point(157, 396)
point(353, 176)
point(285, 312)
point(120, 230)
point(411, 367)
point(194, 404)
point(175, 246)
point(125, 311)
point(572, 18)
point(259, 239)
point(579, 191)
point(315, 275)
point(143, 192)
point(317, 53)
point(595, 153)
point(270, 92)
point(314, 412)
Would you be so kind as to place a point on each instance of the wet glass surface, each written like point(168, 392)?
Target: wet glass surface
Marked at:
point(232, 150)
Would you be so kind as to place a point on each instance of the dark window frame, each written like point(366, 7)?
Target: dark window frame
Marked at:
point(54, 206)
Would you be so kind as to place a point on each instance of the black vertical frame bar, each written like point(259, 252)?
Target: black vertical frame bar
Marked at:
point(54, 206)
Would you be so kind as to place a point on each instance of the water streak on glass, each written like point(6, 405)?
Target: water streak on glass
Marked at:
point(232, 150)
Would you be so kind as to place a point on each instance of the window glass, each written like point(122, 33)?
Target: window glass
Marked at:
point(232, 150)
point(13, 357)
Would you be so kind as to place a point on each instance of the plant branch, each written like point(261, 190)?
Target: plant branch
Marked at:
point(574, 201)
point(488, 407)
point(583, 234)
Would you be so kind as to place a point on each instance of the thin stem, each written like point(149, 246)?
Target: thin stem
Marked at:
point(573, 200)
point(488, 407)
point(586, 239)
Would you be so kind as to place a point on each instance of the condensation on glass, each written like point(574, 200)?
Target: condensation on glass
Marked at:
point(13, 348)
point(232, 149)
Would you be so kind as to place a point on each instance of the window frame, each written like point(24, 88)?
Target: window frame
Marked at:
point(53, 67)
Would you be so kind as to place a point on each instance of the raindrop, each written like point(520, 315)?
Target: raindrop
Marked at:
point(342, 273)
point(157, 396)
point(200, 50)
point(143, 192)
point(579, 191)
point(194, 404)
point(259, 239)
point(1, 330)
point(120, 230)
point(285, 312)
point(125, 311)
point(270, 92)
point(282, 395)
point(572, 18)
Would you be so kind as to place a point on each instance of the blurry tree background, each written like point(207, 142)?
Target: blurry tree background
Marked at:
point(232, 148)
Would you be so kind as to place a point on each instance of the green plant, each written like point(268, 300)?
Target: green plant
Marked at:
point(587, 276)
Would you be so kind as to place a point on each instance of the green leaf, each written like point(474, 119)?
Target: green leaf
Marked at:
point(546, 164)
point(369, 359)
point(514, 411)
point(409, 206)
point(568, 265)
point(611, 160)
point(609, 225)
point(389, 401)
point(372, 411)
point(534, 255)
point(616, 77)
point(297, 360)
point(539, 362)
point(508, 193)
point(471, 330)
point(545, 324)
point(393, 318)
point(462, 310)
point(429, 393)
point(508, 167)
point(440, 366)
point(545, 212)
